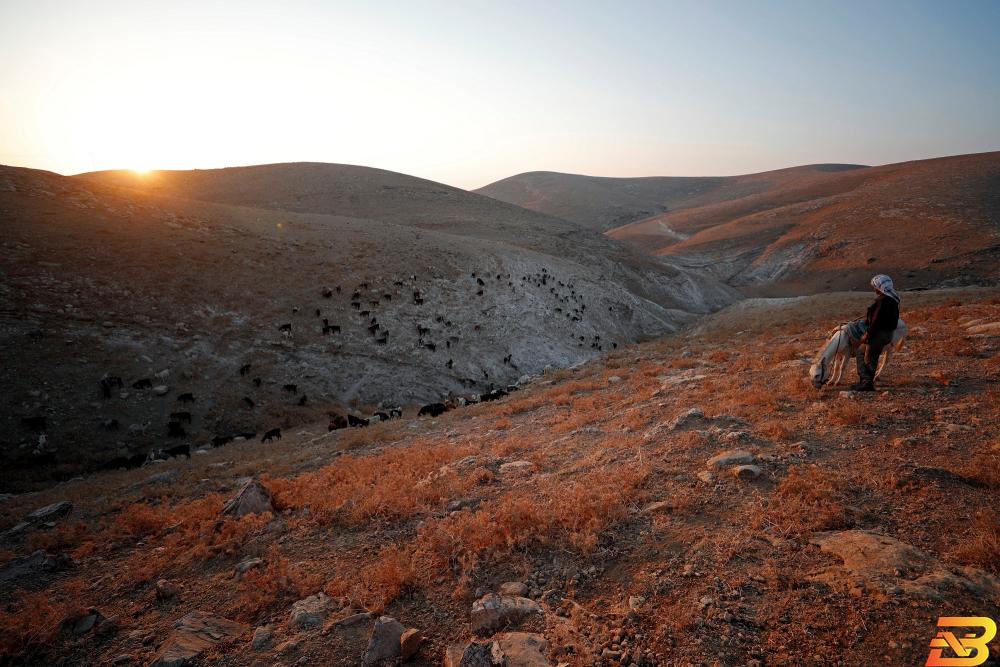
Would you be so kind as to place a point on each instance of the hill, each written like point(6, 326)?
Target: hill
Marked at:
point(603, 203)
point(443, 293)
point(927, 223)
point(609, 497)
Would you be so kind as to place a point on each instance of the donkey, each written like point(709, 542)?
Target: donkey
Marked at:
point(828, 368)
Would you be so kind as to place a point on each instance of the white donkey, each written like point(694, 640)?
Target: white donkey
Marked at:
point(829, 365)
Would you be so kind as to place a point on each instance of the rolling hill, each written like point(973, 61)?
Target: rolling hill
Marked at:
point(428, 291)
point(927, 223)
point(603, 203)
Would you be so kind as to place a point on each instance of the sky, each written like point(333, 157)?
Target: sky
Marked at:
point(468, 92)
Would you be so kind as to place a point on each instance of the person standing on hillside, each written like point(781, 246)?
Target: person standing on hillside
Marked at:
point(880, 323)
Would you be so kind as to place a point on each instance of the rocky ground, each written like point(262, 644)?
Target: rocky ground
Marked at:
point(687, 501)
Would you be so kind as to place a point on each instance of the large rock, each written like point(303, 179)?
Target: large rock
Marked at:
point(409, 643)
point(384, 641)
point(252, 498)
point(192, 635)
point(50, 512)
point(521, 649)
point(310, 612)
point(731, 457)
point(883, 567)
point(494, 612)
point(516, 469)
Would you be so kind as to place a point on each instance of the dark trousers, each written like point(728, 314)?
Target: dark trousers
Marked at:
point(867, 355)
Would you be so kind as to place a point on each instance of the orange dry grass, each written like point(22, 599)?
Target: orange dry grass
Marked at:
point(981, 547)
point(804, 501)
point(36, 620)
point(357, 490)
point(278, 583)
point(572, 516)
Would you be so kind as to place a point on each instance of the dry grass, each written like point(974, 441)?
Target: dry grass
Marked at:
point(805, 501)
point(278, 583)
point(981, 547)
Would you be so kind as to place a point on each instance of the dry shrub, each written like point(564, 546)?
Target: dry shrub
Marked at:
point(981, 547)
point(850, 413)
point(61, 538)
point(278, 583)
point(36, 619)
point(984, 469)
point(805, 501)
point(387, 486)
point(571, 517)
point(775, 429)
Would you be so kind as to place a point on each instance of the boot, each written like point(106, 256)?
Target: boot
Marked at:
point(863, 386)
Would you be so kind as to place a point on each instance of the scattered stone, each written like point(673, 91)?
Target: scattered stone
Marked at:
point(384, 641)
point(192, 635)
point(689, 418)
point(746, 473)
point(84, 624)
point(730, 457)
point(475, 654)
point(165, 589)
point(107, 626)
point(493, 612)
point(517, 469)
point(311, 611)
point(349, 622)
point(252, 498)
point(706, 476)
point(520, 649)
point(635, 602)
point(514, 588)
point(987, 329)
point(31, 565)
point(658, 506)
point(409, 643)
point(50, 512)
point(262, 638)
point(161, 390)
point(16, 530)
point(122, 659)
point(247, 565)
point(290, 646)
point(614, 379)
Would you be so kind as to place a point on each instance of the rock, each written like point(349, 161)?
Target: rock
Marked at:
point(409, 643)
point(84, 624)
point(514, 588)
point(475, 654)
point(746, 473)
point(161, 390)
point(252, 498)
point(706, 476)
point(493, 612)
point(730, 457)
point(311, 611)
point(520, 649)
point(193, 634)
point(987, 329)
point(658, 506)
point(50, 512)
point(687, 419)
point(517, 469)
point(635, 602)
point(31, 565)
point(16, 531)
point(262, 638)
point(615, 379)
point(384, 641)
point(289, 646)
point(352, 621)
point(122, 659)
point(248, 564)
point(107, 626)
point(883, 567)
point(165, 589)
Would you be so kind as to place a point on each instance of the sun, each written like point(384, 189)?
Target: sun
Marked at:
point(141, 171)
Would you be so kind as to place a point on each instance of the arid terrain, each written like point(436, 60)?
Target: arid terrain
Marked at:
point(395, 292)
point(565, 447)
point(801, 230)
point(686, 501)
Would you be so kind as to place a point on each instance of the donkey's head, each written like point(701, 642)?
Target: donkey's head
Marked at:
point(819, 373)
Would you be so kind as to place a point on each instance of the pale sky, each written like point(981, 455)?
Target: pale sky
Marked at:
point(467, 92)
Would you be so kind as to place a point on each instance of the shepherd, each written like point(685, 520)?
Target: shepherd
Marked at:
point(880, 323)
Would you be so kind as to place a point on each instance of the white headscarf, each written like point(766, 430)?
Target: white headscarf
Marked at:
point(883, 284)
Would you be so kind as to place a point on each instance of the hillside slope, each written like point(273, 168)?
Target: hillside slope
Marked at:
point(597, 493)
point(106, 280)
point(604, 203)
point(927, 223)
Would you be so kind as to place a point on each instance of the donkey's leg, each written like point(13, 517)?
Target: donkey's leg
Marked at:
point(838, 369)
point(886, 355)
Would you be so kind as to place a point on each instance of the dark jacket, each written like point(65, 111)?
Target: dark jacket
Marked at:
point(883, 316)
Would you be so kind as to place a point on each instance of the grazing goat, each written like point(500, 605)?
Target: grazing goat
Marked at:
point(256, 382)
point(187, 397)
point(273, 434)
point(144, 383)
point(34, 423)
point(353, 421)
point(244, 369)
point(249, 402)
point(175, 430)
point(432, 409)
point(337, 422)
point(290, 388)
point(181, 416)
point(220, 440)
